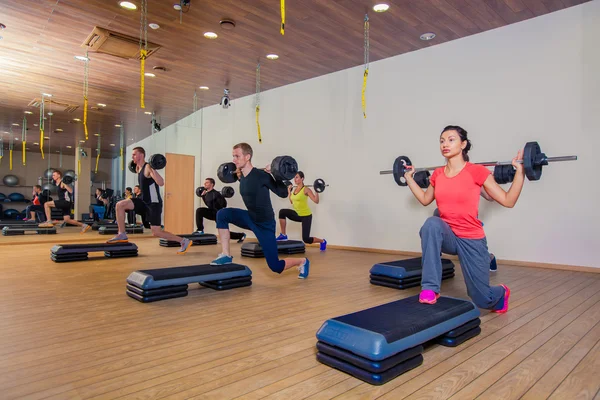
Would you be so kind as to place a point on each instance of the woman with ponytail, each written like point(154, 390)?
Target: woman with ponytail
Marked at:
point(456, 188)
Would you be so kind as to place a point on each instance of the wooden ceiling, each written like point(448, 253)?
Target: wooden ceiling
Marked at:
point(321, 36)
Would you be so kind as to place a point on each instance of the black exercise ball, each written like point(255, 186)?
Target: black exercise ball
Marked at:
point(48, 173)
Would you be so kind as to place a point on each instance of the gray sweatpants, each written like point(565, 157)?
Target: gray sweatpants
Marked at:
point(436, 237)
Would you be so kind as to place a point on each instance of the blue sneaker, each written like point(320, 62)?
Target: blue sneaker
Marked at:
point(240, 240)
point(323, 245)
point(281, 237)
point(222, 259)
point(493, 265)
point(304, 269)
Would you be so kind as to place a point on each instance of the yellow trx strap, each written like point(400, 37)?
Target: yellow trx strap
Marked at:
point(10, 159)
point(258, 124)
point(79, 166)
point(85, 107)
point(42, 142)
point(24, 144)
point(97, 158)
point(364, 102)
point(143, 55)
point(282, 29)
point(122, 160)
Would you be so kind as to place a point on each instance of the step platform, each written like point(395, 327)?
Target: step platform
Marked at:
point(114, 229)
point(221, 277)
point(79, 251)
point(22, 230)
point(380, 343)
point(197, 240)
point(98, 224)
point(151, 295)
point(17, 223)
point(404, 274)
point(253, 249)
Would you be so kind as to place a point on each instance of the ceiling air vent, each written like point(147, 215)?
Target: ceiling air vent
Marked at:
point(116, 44)
point(66, 106)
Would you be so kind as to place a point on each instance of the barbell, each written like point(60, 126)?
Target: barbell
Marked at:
point(282, 167)
point(156, 161)
point(227, 191)
point(67, 179)
point(319, 185)
point(533, 161)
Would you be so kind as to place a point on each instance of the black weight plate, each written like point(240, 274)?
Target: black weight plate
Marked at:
point(284, 168)
point(399, 169)
point(319, 185)
point(132, 167)
point(227, 192)
point(158, 161)
point(532, 171)
point(199, 191)
point(226, 173)
point(422, 179)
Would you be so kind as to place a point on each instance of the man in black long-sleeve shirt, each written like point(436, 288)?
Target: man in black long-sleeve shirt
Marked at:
point(214, 202)
point(255, 185)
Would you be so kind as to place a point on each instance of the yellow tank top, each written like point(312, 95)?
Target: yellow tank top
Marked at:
point(300, 203)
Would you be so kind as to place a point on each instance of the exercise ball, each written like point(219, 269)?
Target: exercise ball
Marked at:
point(50, 188)
point(2, 196)
point(48, 173)
point(11, 180)
point(70, 173)
point(16, 197)
point(11, 213)
point(93, 176)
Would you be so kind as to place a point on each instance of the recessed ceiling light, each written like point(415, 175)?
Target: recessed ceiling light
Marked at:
point(381, 7)
point(272, 56)
point(35, 124)
point(101, 105)
point(177, 7)
point(427, 36)
point(69, 147)
point(96, 134)
point(26, 148)
point(57, 151)
point(50, 114)
point(112, 144)
point(46, 94)
point(148, 112)
point(47, 137)
point(82, 58)
point(58, 130)
point(36, 144)
point(127, 5)
point(118, 126)
point(203, 88)
point(150, 74)
point(15, 124)
point(28, 112)
point(154, 26)
point(82, 141)
point(76, 120)
point(210, 35)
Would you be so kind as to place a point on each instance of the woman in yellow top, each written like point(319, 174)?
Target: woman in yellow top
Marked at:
point(299, 195)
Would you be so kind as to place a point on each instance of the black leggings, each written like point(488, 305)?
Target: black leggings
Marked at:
point(306, 223)
point(209, 213)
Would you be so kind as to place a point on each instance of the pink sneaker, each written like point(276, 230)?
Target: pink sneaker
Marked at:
point(506, 297)
point(428, 297)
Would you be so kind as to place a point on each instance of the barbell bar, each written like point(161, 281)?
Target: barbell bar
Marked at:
point(282, 168)
point(533, 161)
point(319, 185)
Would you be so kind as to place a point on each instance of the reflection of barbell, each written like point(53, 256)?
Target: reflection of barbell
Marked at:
point(319, 185)
point(282, 168)
point(227, 191)
point(156, 161)
point(533, 161)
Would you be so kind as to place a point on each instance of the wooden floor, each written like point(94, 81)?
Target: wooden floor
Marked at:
point(68, 331)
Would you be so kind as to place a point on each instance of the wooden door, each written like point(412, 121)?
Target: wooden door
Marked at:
point(179, 193)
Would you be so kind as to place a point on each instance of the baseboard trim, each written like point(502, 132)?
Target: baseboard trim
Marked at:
point(563, 267)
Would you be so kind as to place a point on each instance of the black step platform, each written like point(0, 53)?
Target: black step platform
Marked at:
point(404, 274)
point(197, 240)
point(21, 230)
point(79, 252)
point(402, 284)
point(17, 223)
point(382, 342)
point(158, 284)
point(96, 225)
point(113, 229)
point(253, 249)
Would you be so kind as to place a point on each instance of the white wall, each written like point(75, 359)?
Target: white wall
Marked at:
point(533, 81)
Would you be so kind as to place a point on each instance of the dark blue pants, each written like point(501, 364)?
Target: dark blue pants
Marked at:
point(39, 212)
point(264, 231)
point(437, 237)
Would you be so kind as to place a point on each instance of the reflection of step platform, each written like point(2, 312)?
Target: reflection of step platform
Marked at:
point(97, 225)
point(22, 230)
point(114, 229)
point(166, 283)
point(79, 252)
point(197, 240)
point(17, 223)
point(253, 249)
point(380, 343)
point(404, 274)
